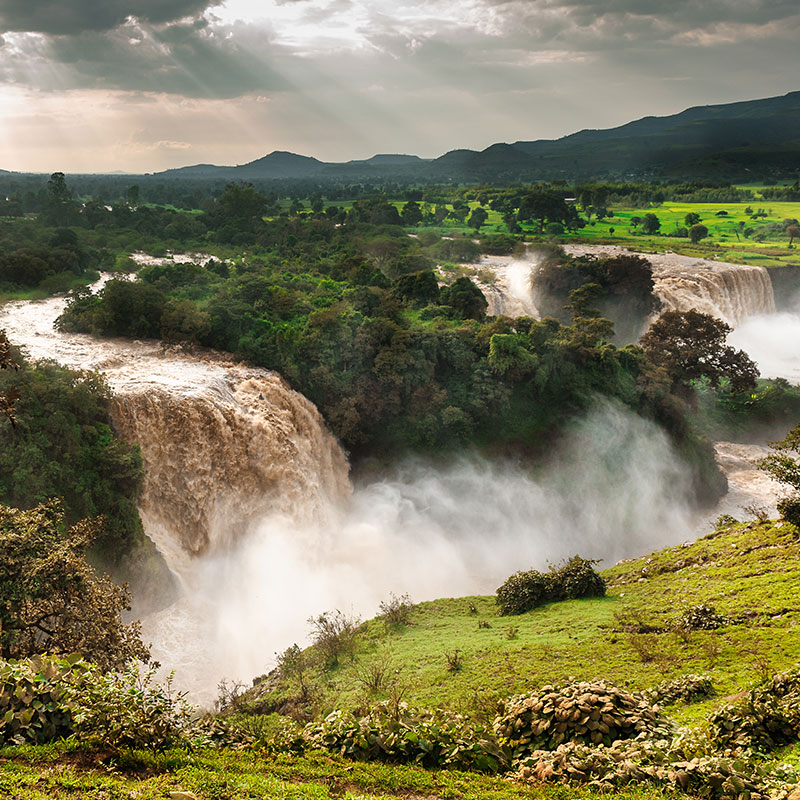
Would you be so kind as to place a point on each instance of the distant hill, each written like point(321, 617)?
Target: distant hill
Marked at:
point(735, 141)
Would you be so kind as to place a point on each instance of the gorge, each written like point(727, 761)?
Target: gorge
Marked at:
point(247, 495)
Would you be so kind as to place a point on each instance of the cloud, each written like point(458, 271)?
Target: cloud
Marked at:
point(69, 17)
point(191, 59)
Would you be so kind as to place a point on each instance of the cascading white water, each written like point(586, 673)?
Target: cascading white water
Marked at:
point(247, 496)
point(730, 292)
point(509, 290)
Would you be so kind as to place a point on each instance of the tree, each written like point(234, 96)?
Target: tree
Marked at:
point(60, 209)
point(783, 465)
point(466, 298)
point(793, 232)
point(8, 399)
point(697, 232)
point(689, 345)
point(51, 600)
point(546, 206)
point(692, 218)
point(478, 218)
point(411, 214)
point(650, 223)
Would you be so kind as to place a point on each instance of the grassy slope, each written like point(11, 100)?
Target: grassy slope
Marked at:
point(58, 773)
point(748, 572)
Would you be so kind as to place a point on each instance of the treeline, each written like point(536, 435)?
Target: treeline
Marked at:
point(27, 194)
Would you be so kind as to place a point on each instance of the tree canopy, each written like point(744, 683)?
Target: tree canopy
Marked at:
point(690, 345)
point(51, 600)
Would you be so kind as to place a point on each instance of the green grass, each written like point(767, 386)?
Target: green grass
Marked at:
point(57, 772)
point(750, 573)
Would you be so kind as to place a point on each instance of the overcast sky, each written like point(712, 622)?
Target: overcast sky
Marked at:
point(144, 85)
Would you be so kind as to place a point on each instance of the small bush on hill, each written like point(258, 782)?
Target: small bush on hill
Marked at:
point(688, 688)
point(767, 718)
point(526, 590)
point(701, 618)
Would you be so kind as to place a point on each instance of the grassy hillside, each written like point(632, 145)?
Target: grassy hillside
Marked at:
point(748, 572)
point(457, 654)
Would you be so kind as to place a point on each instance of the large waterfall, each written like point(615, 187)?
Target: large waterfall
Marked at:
point(731, 292)
point(222, 444)
point(248, 498)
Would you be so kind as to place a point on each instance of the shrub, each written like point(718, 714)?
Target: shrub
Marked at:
point(578, 578)
point(524, 591)
point(789, 509)
point(128, 709)
point(406, 735)
point(767, 718)
point(396, 610)
point(36, 697)
point(334, 634)
point(585, 713)
point(701, 618)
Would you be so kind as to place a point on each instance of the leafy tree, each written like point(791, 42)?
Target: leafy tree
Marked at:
point(650, 224)
point(478, 218)
point(547, 206)
point(692, 218)
point(689, 345)
point(60, 208)
point(9, 398)
point(466, 298)
point(51, 600)
point(697, 232)
point(783, 465)
point(793, 232)
point(411, 214)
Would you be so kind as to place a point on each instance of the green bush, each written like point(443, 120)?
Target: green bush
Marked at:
point(402, 734)
point(523, 591)
point(128, 709)
point(701, 618)
point(688, 688)
point(526, 590)
point(767, 718)
point(37, 697)
point(789, 509)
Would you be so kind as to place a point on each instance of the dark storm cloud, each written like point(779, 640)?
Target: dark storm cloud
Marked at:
point(76, 16)
point(190, 59)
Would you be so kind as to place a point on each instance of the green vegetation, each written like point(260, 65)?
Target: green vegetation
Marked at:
point(61, 445)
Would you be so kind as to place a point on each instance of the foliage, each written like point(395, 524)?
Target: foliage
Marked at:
point(524, 591)
point(783, 465)
point(396, 610)
point(701, 617)
point(768, 717)
point(62, 446)
point(129, 709)
point(686, 688)
point(334, 634)
point(37, 697)
point(690, 345)
point(50, 597)
point(584, 713)
point(406, 735)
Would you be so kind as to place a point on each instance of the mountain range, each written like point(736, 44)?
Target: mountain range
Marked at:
point(738, 141)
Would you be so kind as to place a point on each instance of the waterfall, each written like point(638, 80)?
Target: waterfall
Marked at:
point(730, 292)
point(506, 285)
point(222, 444)
point(248, 498)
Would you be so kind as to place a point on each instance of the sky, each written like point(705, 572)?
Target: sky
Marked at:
point(145, 85)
